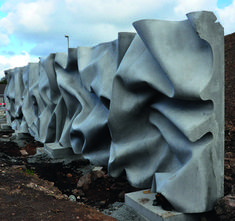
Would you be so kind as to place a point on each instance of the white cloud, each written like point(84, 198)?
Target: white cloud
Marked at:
point(4, 39)
point(34, 16)
point(227, 16)
point(6, 26)
point(28, 17)
point(106, 11)
point(184, 6)
point(14, 61)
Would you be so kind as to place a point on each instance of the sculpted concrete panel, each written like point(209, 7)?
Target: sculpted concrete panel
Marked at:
point(150, 103)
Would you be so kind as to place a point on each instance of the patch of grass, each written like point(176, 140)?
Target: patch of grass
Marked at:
point(29, 171)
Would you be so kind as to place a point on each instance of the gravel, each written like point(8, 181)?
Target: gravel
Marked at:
point(122, 212)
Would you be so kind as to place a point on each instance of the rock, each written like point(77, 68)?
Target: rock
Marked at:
point(233, 190)
point(113, 187)
point(225, 208)
point(21, 167)
point(97, 174)
point(24, 152)
point(84, 181)
point(72, 198)
point(121, 195)
point(102, 203)
point(97, 168)
point(69, 175)
point(78, 192)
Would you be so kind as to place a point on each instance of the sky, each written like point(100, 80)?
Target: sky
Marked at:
point(30, 29)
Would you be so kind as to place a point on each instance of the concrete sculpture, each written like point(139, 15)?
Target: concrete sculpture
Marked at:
point(150, 103)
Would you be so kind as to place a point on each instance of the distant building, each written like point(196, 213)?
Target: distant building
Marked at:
point(2, 89)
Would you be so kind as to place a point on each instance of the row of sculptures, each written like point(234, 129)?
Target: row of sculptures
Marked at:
point(150, 103)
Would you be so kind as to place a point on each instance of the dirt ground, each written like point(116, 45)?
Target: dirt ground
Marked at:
point(41, 191)
point(26, 197)
point(229, 161)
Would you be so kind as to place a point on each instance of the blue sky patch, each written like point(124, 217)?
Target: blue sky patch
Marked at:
point(2, 14)
point(224, 3)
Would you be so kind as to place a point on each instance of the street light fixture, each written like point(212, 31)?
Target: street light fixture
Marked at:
point(66, 36)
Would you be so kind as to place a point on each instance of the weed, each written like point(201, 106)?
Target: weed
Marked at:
point(29, 171)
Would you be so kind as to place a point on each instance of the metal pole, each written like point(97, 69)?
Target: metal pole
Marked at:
point(66, 36)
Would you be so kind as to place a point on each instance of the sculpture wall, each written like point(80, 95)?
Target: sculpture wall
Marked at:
point(150, 103)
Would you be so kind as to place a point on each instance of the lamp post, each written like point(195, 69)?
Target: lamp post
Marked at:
point(66, 36)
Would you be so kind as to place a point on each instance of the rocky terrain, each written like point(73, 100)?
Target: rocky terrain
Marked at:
point(225, 208)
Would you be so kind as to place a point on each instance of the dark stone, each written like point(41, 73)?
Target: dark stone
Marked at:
point(225, 208)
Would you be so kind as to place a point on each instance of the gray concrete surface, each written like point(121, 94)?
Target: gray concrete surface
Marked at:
point(142, 203)
point(55, 150)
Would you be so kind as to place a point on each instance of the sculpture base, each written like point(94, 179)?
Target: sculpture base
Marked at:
point(21, 135)
point(142, 203)
point(5, 127)
point(55, 151)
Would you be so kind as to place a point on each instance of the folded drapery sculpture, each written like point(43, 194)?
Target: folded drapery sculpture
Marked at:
point(150, 103)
